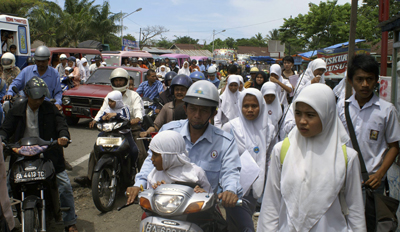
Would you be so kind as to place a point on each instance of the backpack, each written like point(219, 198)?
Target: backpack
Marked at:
point(342, 199)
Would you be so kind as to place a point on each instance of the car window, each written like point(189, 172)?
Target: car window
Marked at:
point(111, 60)
point(89, 57)
point(102, 76)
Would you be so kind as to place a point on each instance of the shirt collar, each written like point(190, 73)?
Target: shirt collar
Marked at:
point(373, 101)
point(206, 135)
point(35, 71)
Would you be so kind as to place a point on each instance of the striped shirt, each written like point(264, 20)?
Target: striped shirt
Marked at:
point(145, 90)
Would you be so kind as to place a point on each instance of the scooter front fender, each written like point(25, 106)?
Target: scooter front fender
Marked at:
point(105, 160)
point(30, 202)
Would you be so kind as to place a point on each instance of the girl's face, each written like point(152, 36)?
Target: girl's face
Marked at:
point(156, 159)
point(185, 65)
point(307, 120)
point(274, 75)
point(84, 64)
point(233, 87)
point(287, 65)
point(269, 98)
point(111, 103)
point(66, 72)
point(259, 79)
point(241, 86)
point(162, 69)
point(250, 107)
point(319, 71)
point(70, 63)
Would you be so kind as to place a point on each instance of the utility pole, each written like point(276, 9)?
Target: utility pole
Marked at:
point(140, 34)
point(122, 28)
point(352, 41)
point(213, 41)
point(383, 16)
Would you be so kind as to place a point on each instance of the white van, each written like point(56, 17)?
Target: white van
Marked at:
point(17, 29)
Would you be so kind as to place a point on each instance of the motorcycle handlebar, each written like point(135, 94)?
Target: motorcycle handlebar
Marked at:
point(238, 202)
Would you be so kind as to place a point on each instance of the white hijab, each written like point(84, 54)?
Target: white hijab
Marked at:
point(184, 70)
point(175, 160)
point(161, 72)
point(241, 81)
point(117, 97)
point(274, 110)
point(253, 136)
point(229, 100)
point(313, 171)
point(84, 70)
point(276, 69)
point(312, 66)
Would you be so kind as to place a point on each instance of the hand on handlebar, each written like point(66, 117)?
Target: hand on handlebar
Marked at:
point(7, 97)
point(62, 141)
point(135, 121)
point(158, 184)
point(143, 134)
point(58, 107)
point(91, 124)
point(131, 193)
point(228, 198)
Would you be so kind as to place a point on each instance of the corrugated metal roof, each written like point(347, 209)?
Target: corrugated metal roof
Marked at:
point(157, 50)
point(194, 52)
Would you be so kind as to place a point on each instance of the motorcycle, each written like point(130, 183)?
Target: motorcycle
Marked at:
point(176, 207)
point(8, 104)
point(116, 168)
point(33, 182)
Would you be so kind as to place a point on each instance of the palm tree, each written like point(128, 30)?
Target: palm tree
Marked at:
point(272, 35)
point(104, 22)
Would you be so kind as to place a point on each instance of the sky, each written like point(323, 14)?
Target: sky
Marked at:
point(198, 19)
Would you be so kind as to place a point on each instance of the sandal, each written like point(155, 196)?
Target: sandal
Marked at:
point(71, 228)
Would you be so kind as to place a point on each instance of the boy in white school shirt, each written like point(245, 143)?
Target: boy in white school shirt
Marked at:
point(375, 120)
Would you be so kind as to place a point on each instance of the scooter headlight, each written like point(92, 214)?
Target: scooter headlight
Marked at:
point(107, 127)
point(118, 125)
point(167, 203)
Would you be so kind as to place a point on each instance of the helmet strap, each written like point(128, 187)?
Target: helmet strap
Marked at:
point(199, 127)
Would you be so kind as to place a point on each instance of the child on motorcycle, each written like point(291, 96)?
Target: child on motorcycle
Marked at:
point(172, 164)
point(66, 80)
point(116, 108)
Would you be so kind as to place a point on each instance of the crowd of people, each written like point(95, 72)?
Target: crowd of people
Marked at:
point(276, 139)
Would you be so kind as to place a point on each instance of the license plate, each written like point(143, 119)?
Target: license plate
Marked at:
point(78, 110)
point(29, 176)
point(150, 227)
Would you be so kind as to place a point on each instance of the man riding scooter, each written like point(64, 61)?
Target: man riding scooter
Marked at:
point(119, 81)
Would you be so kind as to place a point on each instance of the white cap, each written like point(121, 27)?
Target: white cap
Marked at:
point(63, 56)
point(140, 59)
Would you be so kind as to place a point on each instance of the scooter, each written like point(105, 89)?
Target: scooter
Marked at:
point(116, 166)
point(8, 104)
point(33, 182)
point(176, 207)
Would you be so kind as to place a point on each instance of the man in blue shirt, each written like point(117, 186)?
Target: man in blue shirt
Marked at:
point(212, 76)
point(212, 149)
point(42, 70)
point(151, 88)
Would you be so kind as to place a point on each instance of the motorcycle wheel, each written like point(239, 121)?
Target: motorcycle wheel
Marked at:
point(103, 195)
point(32, 220)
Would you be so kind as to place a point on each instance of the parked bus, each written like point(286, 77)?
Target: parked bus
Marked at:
point(17, 31)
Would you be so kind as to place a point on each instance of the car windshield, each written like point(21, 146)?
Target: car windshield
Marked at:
point(102, 77)
point(111, 60)
point(89, 57)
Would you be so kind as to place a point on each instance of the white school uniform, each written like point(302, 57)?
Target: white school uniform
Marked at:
point(302, 194)
point(228, 108)
point(282, 94)
point(375, 124)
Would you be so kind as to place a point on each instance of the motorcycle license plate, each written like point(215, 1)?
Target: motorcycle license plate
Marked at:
point(150, 227)
point(29, 176)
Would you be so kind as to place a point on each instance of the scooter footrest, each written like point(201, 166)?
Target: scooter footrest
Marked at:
point(64, 209)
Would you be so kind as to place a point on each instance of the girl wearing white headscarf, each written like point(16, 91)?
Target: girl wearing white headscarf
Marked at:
point(283, 86)
point(116, 108)
point(162, 73)
point(313, 74)
point(176, 165)
point(255, 137)
point(241, 83)
point(84, 69)
point(185, 70)
point(228, 107)
point(274, 108)
point(302, 193)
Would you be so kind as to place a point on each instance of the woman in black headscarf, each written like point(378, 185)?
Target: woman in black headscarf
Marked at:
point(261, 78)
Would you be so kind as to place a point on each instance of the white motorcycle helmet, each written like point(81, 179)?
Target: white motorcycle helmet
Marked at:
point(212, 70)
point(8, 60)
point(120, 73)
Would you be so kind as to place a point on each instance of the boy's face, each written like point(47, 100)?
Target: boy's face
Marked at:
point(13, 50)
point(111, 103)
point(363, 83)
point(156, 159)
point(131, 85)
point(66, 72)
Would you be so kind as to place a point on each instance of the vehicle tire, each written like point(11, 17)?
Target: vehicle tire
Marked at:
point(72, 121)
point(32, 220)
point(103, 195)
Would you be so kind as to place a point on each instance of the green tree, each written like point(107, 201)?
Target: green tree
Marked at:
point(186, 40)
point(130, 37)
point(164, 43)
point(103, 23)
point(272, 35)
point(18, 7)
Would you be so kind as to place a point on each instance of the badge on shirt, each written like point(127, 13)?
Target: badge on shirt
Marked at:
point(373, 135)
point(214, 154)
point(256, 150)
point(269, 112)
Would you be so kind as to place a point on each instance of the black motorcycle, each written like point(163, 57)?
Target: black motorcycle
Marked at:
point(115, 170)
point(33, 182)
